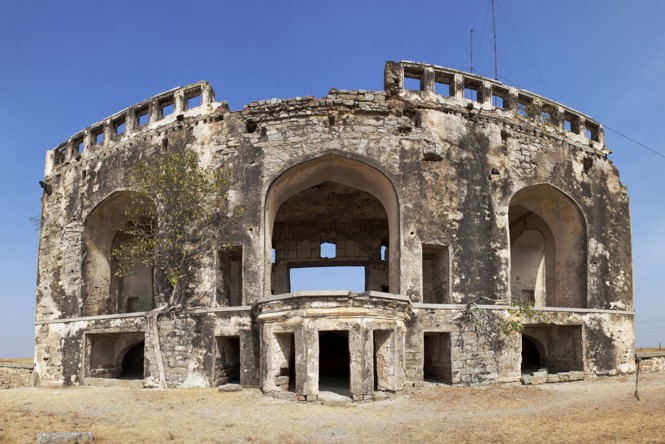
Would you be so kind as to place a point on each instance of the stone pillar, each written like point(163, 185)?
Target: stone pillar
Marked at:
point(427, 83)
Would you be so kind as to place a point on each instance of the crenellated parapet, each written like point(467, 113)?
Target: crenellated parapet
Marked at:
point(453, 86)
point(158, 110)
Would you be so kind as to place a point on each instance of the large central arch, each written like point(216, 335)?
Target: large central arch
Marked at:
point(345, 171)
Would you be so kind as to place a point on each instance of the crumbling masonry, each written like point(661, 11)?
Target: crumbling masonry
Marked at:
point(446, 189)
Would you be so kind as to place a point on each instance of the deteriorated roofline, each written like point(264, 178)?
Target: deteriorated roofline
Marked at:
point(465, 90)
point(515, 101)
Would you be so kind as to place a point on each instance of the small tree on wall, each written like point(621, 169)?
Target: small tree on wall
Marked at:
point(182, 226)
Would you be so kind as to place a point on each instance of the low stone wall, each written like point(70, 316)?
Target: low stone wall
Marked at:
point(15, 375)
point(653, 364)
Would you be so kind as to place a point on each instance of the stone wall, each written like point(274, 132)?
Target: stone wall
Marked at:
point(15, 376)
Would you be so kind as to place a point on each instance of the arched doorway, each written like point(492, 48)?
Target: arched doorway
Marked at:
point(531, 359)
point(105, 229)
point(133, 362)
point(548, 248)
point(332, 212)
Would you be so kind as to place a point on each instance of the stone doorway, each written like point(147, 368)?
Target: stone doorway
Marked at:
point(437, 363)
point(334, 362)
point(227, 362)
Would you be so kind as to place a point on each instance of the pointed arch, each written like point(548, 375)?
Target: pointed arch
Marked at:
point(344, 171)
point(547, 232)
point(103, 231)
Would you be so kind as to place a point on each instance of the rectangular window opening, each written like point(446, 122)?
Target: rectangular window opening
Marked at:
point(142, 117)
point(571, 123)
point(437, 363)
point(473, 91)
point(412, 82)
point(349, 278)
point(592, 132)
point(384, 252)
point(98, 137)
point(471, 94)
point(328, 250)
point(499, 98)
point(230, 287)
point(194, 101)
point(79, 146)
point(119, 127)
point(227, 361)
point(498, 102)
point(273, 256)
point(443, 84)
point(435, 272)
point(524, 106)
point(166, 108)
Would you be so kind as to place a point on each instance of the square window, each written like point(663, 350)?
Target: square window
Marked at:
point(194, 101)
point(328, 250)
point(442, 89)
point(498, 101)
point(167, 108)
point(412, 83)
point(98, 137)
point(142, 117)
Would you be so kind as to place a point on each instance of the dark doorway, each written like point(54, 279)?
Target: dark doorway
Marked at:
point(132, 362)
point(334, 362)
point(437, 364)
point(227, 362)
point(530, 356)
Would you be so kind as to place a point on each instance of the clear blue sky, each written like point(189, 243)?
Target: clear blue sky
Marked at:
point(67, 64)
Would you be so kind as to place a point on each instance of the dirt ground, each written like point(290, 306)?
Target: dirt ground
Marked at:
point(603, 410)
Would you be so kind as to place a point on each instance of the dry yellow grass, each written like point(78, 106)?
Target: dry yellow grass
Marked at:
point(600, 411)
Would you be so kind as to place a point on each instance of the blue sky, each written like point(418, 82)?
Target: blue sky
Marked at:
point(65, 65)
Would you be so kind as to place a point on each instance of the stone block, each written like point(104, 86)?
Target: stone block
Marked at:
point(539, 377)
point(229, 388)
point(64, 437)
point(577, 376)
point(553, 377)
point(565, 376)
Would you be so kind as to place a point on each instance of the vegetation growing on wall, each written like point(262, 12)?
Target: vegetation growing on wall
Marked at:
point(182, 226)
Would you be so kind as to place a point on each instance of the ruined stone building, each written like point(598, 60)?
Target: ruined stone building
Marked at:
point(444, 189)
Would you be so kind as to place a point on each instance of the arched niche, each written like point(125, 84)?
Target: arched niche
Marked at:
point(348, 173)
point(548, 248)
point(103, 291)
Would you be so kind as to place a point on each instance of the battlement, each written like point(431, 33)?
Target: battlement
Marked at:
point(490, 94)
point(161, 108)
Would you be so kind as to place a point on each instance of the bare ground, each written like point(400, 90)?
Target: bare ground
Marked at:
point(603, 410)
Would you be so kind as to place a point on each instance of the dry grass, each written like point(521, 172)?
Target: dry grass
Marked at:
point(599, 411)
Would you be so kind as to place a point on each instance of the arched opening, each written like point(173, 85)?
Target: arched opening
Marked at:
point(105, 228)
point(133, 362)
point(334, 362)
point(332, 212)
point(548, 248)
point(530, 356)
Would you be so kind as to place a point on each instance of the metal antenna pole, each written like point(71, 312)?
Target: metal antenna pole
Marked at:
point(471, 49)
point(496, 66)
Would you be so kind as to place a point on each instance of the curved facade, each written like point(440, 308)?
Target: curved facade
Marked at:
point(443, 190)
